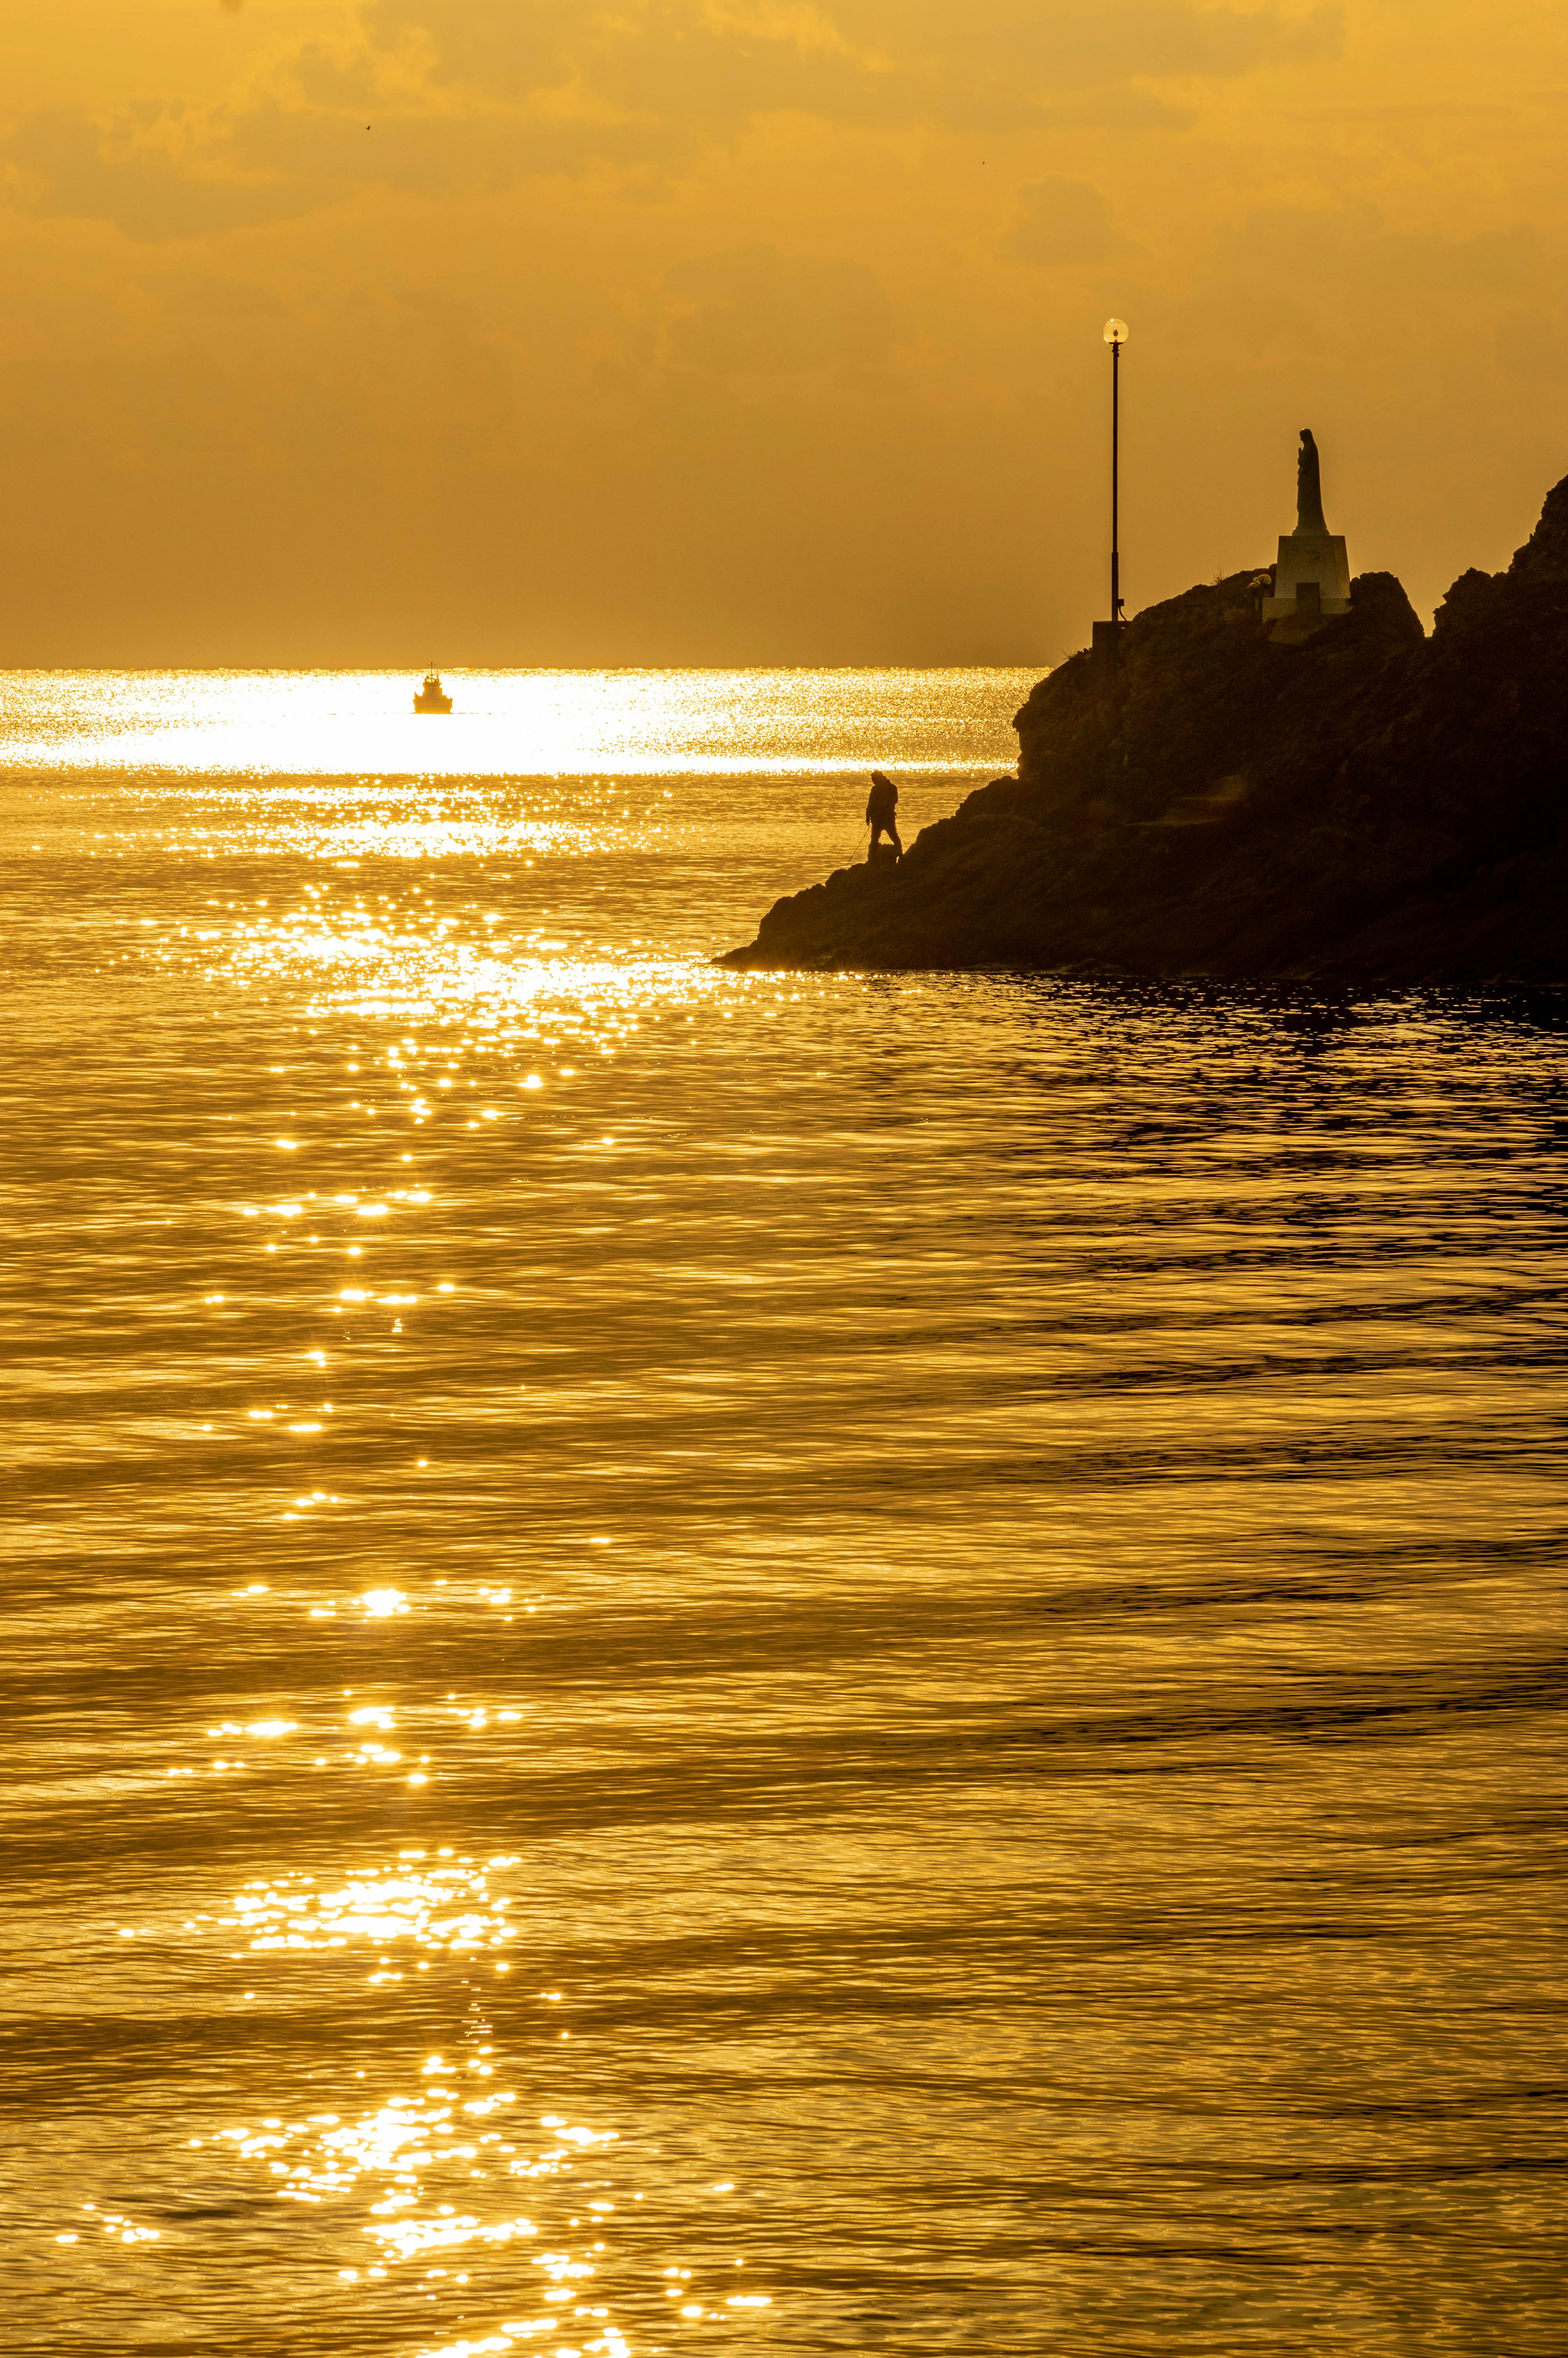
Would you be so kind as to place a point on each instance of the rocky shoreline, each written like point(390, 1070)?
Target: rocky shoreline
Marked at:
point(1354, 802)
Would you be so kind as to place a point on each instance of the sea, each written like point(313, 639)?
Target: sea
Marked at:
point(763, 1663)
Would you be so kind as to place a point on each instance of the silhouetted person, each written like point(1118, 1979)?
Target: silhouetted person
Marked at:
point(881, 804)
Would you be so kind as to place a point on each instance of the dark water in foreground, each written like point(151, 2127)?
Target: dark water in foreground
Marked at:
point(746, 1663)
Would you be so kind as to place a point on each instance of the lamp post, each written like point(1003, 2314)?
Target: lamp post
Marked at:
point(1115, 336)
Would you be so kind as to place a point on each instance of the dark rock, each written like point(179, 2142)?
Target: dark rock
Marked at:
point(1344, 798)
point(1544, 557)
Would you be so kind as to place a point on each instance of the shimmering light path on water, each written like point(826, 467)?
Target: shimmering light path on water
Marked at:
point(795, 1663)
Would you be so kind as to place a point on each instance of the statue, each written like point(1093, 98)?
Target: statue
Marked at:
point(1312, 577)
point(1309, 487)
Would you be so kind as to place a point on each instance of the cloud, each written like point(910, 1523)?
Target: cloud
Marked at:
point(1296, 242)
point(719, 64)
point(695, 240)
point(226, 298)
point(1061, 224)
point(1081, 44)
point(175, 174)
point(1532, 344)
point(1322, 280)
point(754, 310)
point(501, 46)
point(439, 96)
point(150, 184)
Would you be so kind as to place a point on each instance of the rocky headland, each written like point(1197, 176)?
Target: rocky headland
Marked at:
point(1233, 798)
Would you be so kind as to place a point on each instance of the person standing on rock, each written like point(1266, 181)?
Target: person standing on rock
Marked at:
point(881, 804)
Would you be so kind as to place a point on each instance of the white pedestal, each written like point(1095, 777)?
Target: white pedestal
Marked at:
point(1312, 559)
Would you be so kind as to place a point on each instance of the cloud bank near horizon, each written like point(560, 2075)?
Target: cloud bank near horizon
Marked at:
point(751, 331)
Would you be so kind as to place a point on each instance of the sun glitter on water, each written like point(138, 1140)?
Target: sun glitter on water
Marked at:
point(435, 2169)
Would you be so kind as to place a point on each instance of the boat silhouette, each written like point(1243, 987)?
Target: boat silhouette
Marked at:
point(432, 698)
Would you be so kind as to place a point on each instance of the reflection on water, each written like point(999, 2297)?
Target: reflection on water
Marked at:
point(532, 724)
point(750, 1662)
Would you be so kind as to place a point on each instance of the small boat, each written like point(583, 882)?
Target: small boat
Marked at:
point(432, 698)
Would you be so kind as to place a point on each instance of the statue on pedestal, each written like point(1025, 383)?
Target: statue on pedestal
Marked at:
point(1312, 577)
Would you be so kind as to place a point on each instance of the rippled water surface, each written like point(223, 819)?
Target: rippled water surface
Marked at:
point(761, 1663)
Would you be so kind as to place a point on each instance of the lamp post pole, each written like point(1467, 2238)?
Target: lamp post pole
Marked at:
point(1115, 481)
point(1115, 336)
point(1108, 635)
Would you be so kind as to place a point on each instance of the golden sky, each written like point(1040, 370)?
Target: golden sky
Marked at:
point(660, 332)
